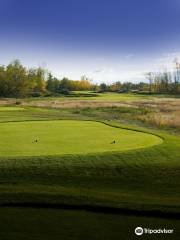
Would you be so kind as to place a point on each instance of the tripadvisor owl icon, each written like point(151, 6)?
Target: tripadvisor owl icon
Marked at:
point(139, 231)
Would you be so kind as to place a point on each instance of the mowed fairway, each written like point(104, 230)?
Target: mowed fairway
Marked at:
point(36, 138)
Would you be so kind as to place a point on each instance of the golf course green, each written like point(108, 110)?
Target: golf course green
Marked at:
point(37, 138)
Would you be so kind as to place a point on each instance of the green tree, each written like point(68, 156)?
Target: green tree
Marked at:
point(103, 87)
point(16, 80)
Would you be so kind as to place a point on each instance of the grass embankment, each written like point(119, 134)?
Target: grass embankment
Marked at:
point(142, 179)
point(140, 182)
point(33, 224)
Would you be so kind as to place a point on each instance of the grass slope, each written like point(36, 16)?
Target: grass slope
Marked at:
point(141, 179)
point(138, 179)
point(33, 224)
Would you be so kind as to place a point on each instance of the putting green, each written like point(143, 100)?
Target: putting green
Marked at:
point(68, 137)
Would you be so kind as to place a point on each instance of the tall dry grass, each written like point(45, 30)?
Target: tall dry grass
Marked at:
point(157, 111)
point(164, 112)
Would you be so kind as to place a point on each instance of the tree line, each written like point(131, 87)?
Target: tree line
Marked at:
point(165, 81)
point(64, 86)
point(18, 81)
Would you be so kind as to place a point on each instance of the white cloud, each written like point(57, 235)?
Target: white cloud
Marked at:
point(129, 56)
point(98, 71)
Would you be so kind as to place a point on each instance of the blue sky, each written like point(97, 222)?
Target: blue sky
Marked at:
point(108, 40)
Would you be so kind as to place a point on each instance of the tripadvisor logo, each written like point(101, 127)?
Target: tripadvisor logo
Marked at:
point(139, 231)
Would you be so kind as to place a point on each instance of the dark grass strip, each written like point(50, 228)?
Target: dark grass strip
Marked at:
point(96, 209)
